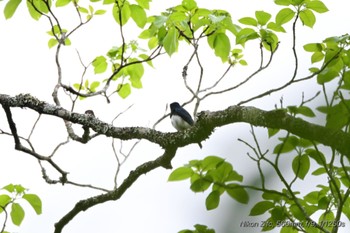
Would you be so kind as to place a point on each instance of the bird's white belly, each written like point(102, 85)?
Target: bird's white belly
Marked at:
point(179, 123)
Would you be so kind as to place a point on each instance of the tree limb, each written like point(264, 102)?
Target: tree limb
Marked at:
point(205, 125)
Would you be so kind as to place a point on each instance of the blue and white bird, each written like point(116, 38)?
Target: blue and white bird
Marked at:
point(180, 118)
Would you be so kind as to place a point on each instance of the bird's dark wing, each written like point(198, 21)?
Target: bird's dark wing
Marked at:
point(184, 115)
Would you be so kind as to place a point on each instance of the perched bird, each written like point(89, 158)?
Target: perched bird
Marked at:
point(90, 112)
point(180, 118)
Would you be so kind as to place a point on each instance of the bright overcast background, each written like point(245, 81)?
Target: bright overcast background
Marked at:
point(152, 204)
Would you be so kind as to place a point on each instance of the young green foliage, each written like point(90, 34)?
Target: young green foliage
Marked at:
point(212, 171)
point(11, 201)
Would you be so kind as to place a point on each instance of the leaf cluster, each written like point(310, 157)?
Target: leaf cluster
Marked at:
point(10, 201)
point(213, 172)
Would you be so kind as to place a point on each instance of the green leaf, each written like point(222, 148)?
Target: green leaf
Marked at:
point(170, 41)
point(189, 4)
point(313, 47)
point(248, 21)
point(122, 14)
point(317, 57)
point(19, 188)
point(11, 7)
point(94, 85)
point(62, 2)
point(99, 12)
point(211, 162)
point(83, 10)
point(200, 185)
point(181, 173)
point(271, 132)
point(213, 200)
point(17, 214)
point(260, 208)
point(144, 3)
point(138, 14)
point(306, 111)
point(222, 46)
point(312, 197)
point(216, 19)
point(327, 217)
point(284, 16)
point(124, 90)
point(327, 75)
point(275, 27)
point(52, 42)
point(4, 200)
point(262, 17)
point(246, 34)
point(282, 2)
point(34, 201)
point(10, 188)
point(135, 72)
point(243, 62)
point(316, 155)
point(319, 171)
point(308, 18)
point(238, 193)
point(100, 64)
point(317, 6)
point(287, 145)
point(301, 166)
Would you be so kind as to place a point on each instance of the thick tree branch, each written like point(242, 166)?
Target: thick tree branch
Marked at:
point(205, 125)
point(207, 121)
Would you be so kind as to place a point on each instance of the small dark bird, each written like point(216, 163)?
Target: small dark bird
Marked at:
point(90, 112)
point(180, 118)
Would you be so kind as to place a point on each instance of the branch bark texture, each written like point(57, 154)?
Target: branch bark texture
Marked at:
point(205, 125)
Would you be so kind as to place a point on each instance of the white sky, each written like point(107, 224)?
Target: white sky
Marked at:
point(152, 204)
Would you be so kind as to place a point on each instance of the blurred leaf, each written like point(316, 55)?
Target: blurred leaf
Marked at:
point(222, 46)
point(52, 42)
point(238, 193)
point(200, 185)
point(60, 3)
point(313, 47)
point(287, 145)
point(317, 6)
point(17, 214)
point(312, 197)
point(34, 201)
point(261, 207)
point(246, 34)
point(94, 85)
point(11, 7)
point(316, 155)
point(122, 14)
point(10, 188)
point(284, 16)
point(316, 57)
point(271, 132)
point(248, 21)
point(99, 64)
point(99, 12)
point(319, 171)
point(301, 166)
point(170, 41)
point(138, 14)
point(181, 173)
point(213, 200)
point(4, 200)
point(262, 17)
point(308, 18)
point(144, 3)
point(124, 90)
